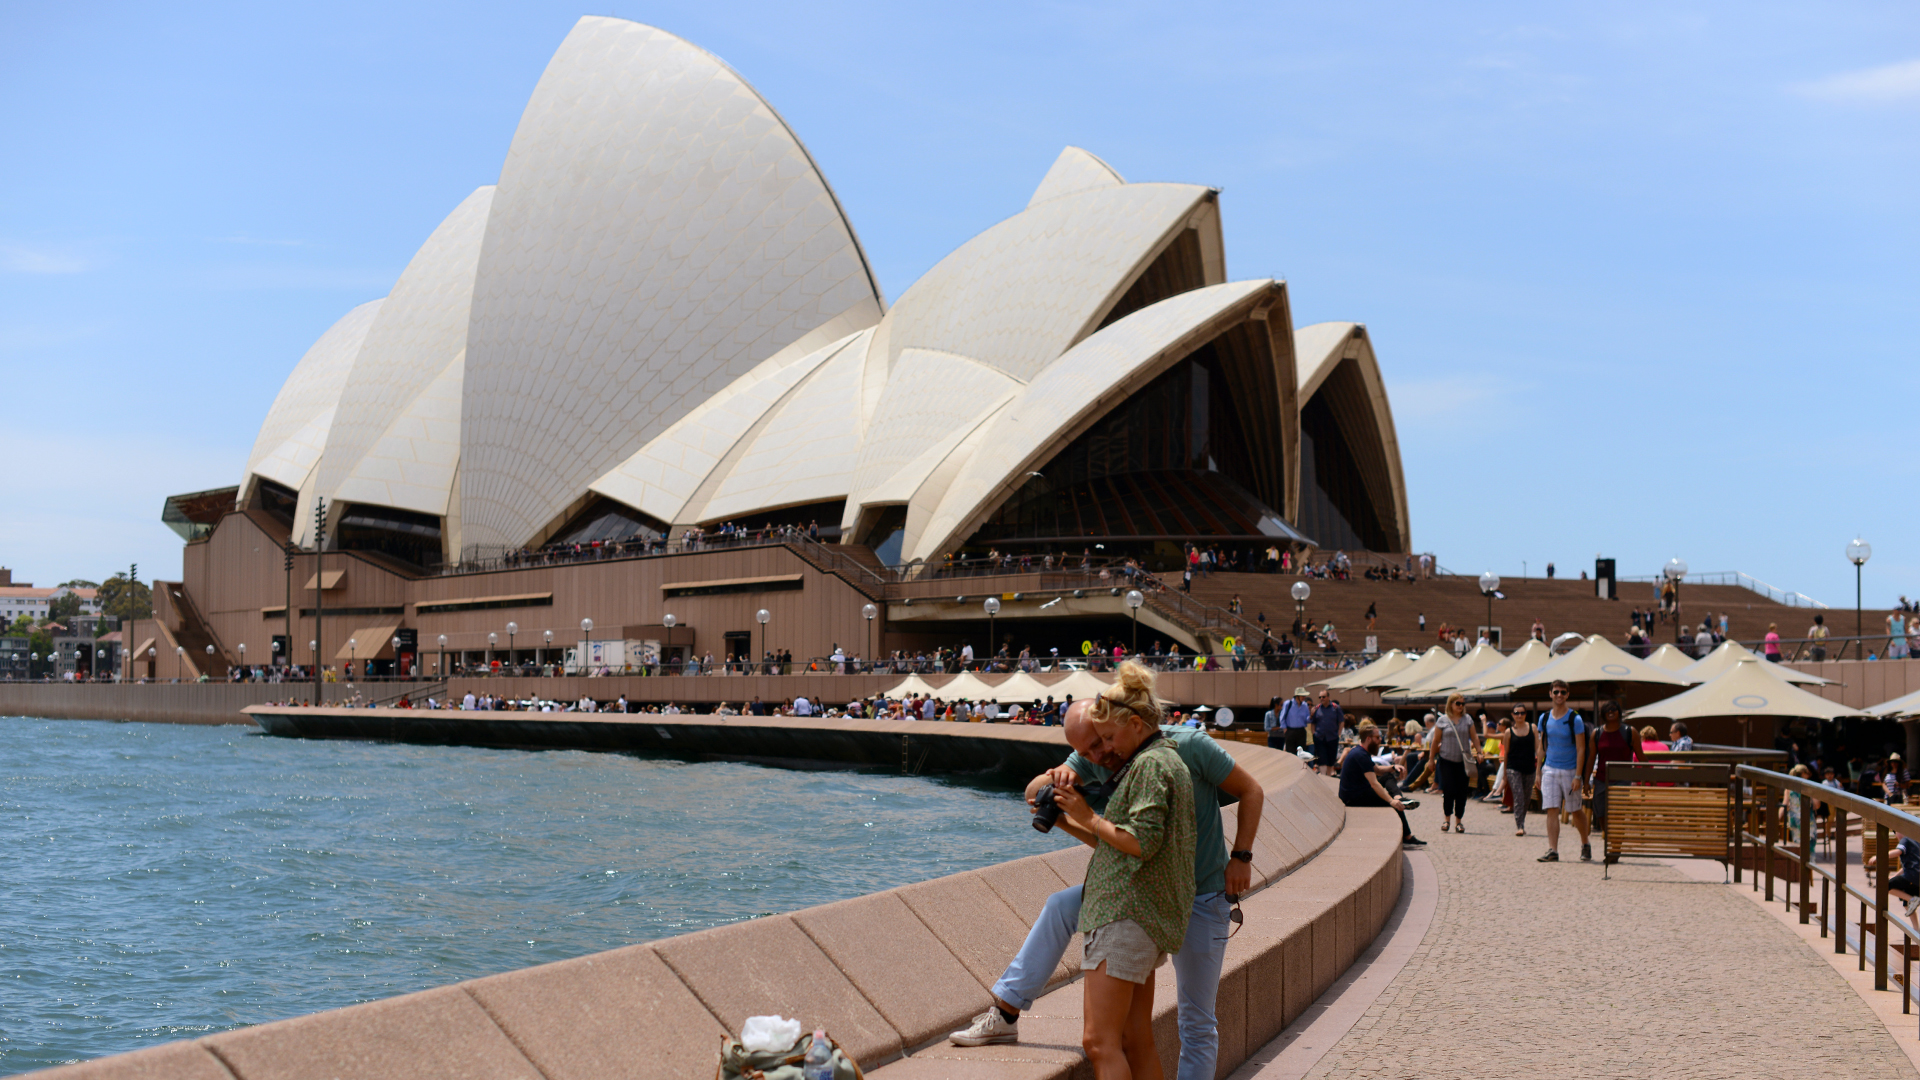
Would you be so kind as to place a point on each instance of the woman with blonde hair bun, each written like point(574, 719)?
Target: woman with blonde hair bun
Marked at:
point(1140, 885)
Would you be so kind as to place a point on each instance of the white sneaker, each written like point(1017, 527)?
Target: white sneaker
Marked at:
point(1912, 905)
point(987, 1029)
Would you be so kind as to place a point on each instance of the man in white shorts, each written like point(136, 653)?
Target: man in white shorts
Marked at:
point(1558, 778)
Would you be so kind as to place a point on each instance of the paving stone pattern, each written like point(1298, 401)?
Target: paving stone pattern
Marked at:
point(1545, 970)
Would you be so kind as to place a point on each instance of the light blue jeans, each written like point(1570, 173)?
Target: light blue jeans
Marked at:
point(1196, 969)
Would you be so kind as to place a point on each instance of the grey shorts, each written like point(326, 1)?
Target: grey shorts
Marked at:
point(1130, 955)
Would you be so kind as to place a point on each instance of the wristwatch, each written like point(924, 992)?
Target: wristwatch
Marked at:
point(1243, 856)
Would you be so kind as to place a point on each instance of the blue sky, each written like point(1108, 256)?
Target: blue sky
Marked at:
point(1643, 278)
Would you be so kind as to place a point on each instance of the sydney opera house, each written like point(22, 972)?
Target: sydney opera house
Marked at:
point(661, 319)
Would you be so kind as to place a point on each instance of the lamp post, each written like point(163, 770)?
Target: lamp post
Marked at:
point(492, 640)
point(1858, 553)
point(243, 657)
point(1489, 584)
point(549, 640)
point(443, 656)
point(761, 617)
point(396, 658)
point(868, 611)
point(1134, 599)
point(512, 629)
point(353, 657)
point(152, 657)
point(32, 659)
point(179, 661)
point(1675, 569)
point(319, 587)
point(586, 628)
point(993, 608)
point(209, 661)
point(668, 621)
point(1301, 590)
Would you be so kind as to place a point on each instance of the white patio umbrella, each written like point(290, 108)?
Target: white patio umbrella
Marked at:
point(1479, 659)
point(1730, 653)
point(1746, 690)
point(1904, 705)
point(1389, 664)
point(1669, 656)
point(1526, 658)
point(1425, 666)
point(1598, 660)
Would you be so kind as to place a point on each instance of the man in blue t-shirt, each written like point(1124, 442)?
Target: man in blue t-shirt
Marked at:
point(1557, 777)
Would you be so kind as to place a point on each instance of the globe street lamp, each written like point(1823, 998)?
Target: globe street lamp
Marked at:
point(1301, 590)
point(209, 658)
point(313, 646)
point(868, 611)
point(992, 605)
point(512, 629)
point(152, 653)
point(353, 658)
point(761, 617)
point(1489, 584)
point(549, 640)
point(1858, 553)
point(1675, 569)
point(492, 640)
point(443, 656)
point(396, 657)
point(243, 654)
point(1134, 599)
point(179, 660)
point(586, 629)
point(669, 622)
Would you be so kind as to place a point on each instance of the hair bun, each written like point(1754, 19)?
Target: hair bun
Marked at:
point(1134, 678)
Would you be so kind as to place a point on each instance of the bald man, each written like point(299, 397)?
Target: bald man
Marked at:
point(1218, 874)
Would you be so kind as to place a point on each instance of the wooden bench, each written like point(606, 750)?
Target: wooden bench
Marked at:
point(1670, 822)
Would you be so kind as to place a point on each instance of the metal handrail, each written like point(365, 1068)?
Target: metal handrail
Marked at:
point(1834, 888)
point(1748, 582)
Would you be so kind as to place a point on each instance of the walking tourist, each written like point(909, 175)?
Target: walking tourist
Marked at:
point(1218, 873)
point(1295, 714)
point(1771, 645)
point(1563, 736)
point(1456, 756)
point(1360, 782)
point(1612, 742)
point(1520, 757)
point(1328, 718)
point(1818, 634)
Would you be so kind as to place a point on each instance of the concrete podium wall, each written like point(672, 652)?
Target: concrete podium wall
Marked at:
point(889, 974)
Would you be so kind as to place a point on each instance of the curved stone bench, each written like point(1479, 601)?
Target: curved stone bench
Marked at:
point(889, 973)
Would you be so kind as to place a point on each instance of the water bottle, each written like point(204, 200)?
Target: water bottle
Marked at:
point(818, 1064)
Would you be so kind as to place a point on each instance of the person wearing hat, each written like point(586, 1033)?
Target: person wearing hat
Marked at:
point(1893, 780)
point(1291, 720)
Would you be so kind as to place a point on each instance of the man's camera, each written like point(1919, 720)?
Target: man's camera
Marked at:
point(1046, 811)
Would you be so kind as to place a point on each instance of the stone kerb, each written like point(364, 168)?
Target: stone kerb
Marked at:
point(889, 974)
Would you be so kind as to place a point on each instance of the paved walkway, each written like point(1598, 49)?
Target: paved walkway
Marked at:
point(1544, 970)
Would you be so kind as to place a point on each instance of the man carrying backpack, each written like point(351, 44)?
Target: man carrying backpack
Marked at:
point(1557, 780)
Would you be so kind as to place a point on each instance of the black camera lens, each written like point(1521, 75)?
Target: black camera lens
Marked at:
point(1046, 812)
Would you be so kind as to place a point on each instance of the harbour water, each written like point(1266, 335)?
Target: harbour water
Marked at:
point(163, 882)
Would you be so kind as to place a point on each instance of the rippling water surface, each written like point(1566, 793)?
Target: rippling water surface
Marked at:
point(163, 881)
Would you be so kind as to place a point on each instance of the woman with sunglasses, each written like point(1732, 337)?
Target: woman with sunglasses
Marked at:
point(1520, 758)
point(1140, 886)
point(1454, 750)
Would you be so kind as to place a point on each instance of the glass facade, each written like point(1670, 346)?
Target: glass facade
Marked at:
point(1336, 507)
point(1171, 463)
point(399, 534)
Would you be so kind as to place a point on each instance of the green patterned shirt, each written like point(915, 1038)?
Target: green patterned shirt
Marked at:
point(1154, 804)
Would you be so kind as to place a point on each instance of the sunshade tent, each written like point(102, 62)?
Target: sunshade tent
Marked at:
point(1747, 690)
point(1022, 688)
point(1525, 659)
point(1079, 684)
point(1669, 656)
point(1905, 705)
point(1730, 653)
point(1431, 663)
point(912, 686)
point(1598, 660)
point(1480, 658)
point(967, 686)
point(1390, 664)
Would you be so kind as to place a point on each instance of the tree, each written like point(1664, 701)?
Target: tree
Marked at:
point(116, 601)
point(62, 608)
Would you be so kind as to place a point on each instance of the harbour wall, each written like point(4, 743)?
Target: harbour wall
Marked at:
point(889, 974)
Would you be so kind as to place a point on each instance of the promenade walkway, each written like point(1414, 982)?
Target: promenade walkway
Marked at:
point(1528, 969)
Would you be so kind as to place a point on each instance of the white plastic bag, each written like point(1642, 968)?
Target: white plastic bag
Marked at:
point(770, 1033)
